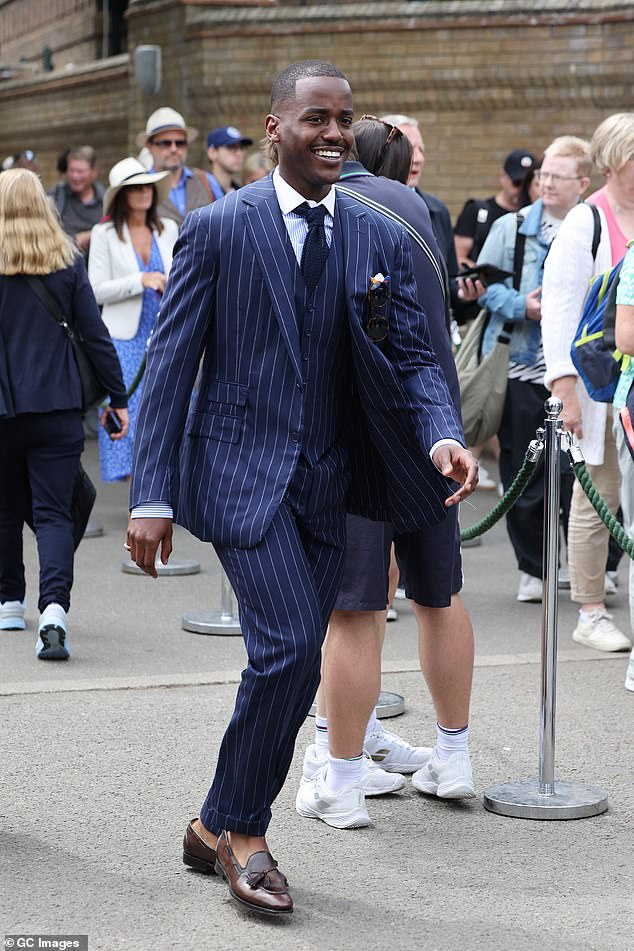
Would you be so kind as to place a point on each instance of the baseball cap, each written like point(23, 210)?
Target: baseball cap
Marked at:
point(519, 163)
point(227, 135)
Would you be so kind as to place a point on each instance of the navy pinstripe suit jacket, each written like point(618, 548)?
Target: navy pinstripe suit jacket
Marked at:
point(224, 459)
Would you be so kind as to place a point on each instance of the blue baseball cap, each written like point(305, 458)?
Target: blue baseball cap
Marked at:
point(227, 135)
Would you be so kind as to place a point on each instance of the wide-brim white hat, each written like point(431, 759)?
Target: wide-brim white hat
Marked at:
point(160, 121)
point(129, 171)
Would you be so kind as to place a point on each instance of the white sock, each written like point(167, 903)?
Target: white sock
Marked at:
point(342, 772)
point(321, 735)
point(373, 724)
point(449, 742)
point(53, 614)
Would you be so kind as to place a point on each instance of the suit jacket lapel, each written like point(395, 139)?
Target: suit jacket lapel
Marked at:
point(355, 238)
point(267, 232)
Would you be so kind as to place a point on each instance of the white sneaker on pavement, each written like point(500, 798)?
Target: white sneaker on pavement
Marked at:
point(530, 588)
point(448, 779)
point(393, 754)
point(609, 583)
point(374, 780)
point(341, 810)
point(12, 616)
point(485, 481)
point(629, 677)
point(599, 632)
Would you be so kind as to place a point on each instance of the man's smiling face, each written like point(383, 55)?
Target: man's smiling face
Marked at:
point(313, 134)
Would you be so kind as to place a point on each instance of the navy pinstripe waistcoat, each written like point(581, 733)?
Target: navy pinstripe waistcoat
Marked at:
point(224, 458)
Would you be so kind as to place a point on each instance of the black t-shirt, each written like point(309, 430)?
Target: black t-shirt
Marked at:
point(475, 220)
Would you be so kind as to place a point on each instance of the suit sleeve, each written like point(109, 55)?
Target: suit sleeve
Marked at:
point(176, 347)
point(420, 374)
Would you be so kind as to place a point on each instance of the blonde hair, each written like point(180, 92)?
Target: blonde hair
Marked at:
point(612, 144)
point(569, 146)
point(31, 238)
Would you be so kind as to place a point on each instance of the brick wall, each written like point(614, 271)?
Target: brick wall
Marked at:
point(483, 78)
point(70, 28)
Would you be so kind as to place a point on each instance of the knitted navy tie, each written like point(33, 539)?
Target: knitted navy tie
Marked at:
point(315, 250)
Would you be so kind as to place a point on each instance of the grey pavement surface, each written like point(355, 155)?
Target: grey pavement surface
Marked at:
point(105, 758)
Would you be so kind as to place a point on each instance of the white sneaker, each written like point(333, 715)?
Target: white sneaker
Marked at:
point(341, 810)
point(629, 677)
point(600, 632)
point(393, 754)
point(530, 588)
point(448, 779)
point(374, 780)
point(610, 583)
point(392, 613)
point(400, 594)
point(12, 616)
point(52, 642)
point(485, 481)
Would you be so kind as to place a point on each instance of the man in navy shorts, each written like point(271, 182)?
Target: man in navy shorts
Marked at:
point(353, 755)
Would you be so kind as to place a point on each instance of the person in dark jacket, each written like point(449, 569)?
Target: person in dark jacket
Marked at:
point(40, 402)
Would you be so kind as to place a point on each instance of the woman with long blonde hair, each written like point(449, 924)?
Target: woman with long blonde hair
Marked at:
point(41, 430)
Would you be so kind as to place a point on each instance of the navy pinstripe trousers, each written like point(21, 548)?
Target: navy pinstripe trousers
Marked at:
point(286, 588)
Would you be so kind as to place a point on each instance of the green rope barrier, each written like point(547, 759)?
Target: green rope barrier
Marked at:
point(610, 521)
point(139, 376)
point(508, 500)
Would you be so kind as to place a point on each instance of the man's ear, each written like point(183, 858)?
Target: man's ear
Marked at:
point(271, 125)
point(211, 153)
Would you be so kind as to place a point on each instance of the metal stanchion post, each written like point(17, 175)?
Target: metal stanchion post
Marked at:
point(388, 705)
point(225, 622)
point(546, 798)
point(175, 566)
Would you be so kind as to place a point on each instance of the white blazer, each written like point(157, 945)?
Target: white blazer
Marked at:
point(567, 273)
point(115, 276)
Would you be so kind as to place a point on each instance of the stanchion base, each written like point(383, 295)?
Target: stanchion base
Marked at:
point(522, 800)
point(184, 566)
point(388, 705)
point(207, 623)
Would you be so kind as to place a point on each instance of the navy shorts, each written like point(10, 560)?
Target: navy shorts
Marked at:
point(429, 560)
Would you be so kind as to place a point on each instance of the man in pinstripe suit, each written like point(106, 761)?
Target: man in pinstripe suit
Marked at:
point(298, 415)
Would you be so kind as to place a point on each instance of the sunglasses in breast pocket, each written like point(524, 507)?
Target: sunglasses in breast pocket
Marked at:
point(379, 293)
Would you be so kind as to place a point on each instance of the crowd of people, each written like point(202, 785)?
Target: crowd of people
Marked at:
point(304, 416)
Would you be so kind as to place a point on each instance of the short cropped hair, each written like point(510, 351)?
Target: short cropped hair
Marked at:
point(380, 152)
point(612, 144)
point(398, 119)
point(82, 153)
point(570, 146)
point(283, 88)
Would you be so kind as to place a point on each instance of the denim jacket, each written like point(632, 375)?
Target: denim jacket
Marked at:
point(505, 304)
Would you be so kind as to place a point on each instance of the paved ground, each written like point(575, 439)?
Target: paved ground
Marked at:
point(106, 757)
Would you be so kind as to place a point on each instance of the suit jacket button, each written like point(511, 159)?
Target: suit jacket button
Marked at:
point(295, 437)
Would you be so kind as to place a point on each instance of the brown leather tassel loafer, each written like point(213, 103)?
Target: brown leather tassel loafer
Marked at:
point(259, 885)
point(197, 853)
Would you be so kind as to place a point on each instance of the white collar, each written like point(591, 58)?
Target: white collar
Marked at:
point(289, 199)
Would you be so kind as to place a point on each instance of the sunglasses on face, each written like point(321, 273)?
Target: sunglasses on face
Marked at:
point(394, 130)
point(167, 143)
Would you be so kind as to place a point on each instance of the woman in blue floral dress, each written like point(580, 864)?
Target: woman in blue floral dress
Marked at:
point(130, 257)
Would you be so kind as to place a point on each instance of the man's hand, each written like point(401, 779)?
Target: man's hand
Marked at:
point(144, 537)
point(565, 389)
point(458, 464)
point(82, 240)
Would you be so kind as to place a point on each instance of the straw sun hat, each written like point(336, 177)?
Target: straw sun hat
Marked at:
point(129, 171)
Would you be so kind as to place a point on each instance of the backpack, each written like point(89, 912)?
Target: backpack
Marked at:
point(593, 350)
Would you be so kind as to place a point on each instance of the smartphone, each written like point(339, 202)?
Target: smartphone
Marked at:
point(112, 424)
point(487, 273)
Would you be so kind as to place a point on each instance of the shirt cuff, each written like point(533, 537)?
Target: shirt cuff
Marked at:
point(152, 510)
point(443, 442)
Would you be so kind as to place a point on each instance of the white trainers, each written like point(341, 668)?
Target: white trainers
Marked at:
point(12, 616)
point(374, 780)
point(485, 481)
point(600, 633)
point(448, 779)
point(392, 613)
point(341, 810)
point(629, 677)
point(393, 754)
point(52, 641)
point(530, 588)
